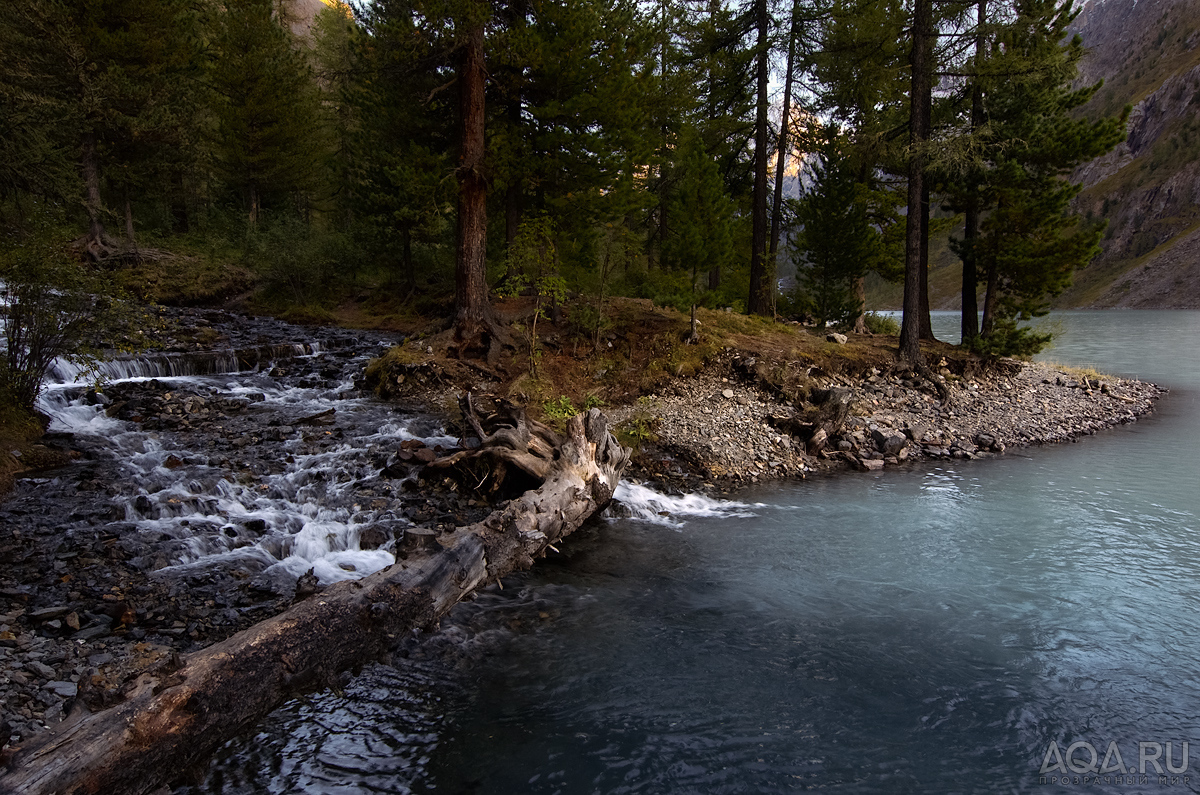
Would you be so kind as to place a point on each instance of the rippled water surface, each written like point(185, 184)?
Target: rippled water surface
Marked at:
point(928, 630)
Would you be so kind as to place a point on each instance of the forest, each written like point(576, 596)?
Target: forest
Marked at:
point(432, 153)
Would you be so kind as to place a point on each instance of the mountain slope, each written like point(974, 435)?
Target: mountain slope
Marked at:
point(1148, 189)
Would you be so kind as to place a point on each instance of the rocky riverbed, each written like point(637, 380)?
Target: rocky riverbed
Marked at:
point(255, 467)
point(198, 504)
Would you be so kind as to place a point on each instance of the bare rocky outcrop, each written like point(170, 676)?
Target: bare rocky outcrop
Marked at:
point(1149, 186)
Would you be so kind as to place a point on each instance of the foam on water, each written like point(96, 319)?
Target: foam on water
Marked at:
point(648, 505)
point(305, 517)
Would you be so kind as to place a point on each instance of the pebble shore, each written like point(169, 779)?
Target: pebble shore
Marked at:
point(719, 430)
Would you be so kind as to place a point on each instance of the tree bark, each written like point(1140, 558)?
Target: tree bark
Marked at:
point(761, 280)
point(406, 260)
point(174, 718)
point(860, 297)
point(472, 311)
point(926, 319)
point(781, 151)
point(129, 230)
point(920, 104)
point(94, 243)
point(970, 279)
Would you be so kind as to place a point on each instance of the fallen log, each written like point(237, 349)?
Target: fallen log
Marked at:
point(175, 717)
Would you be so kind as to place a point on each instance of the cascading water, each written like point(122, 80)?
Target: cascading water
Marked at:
point(234, 477)
point(949, 628)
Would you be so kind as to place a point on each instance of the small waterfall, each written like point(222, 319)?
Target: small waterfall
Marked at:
point(175, 365)
point(246, 480)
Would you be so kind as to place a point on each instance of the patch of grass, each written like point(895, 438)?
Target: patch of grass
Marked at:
point(638, 431)
point(1086, 371)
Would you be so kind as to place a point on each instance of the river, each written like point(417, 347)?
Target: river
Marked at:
point(965, 626)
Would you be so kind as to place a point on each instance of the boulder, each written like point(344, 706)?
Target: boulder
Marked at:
point(840, 339)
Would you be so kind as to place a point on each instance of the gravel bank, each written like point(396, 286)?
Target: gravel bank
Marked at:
point(727, 427)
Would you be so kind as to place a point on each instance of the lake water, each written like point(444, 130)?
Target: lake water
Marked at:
point(946, 628)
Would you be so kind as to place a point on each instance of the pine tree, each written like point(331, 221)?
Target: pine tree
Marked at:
point(266, 109)
point(403, 143)
point(701, 238)
point(118, 77)
point(1029, 243)
point(762, 277)
point(835, 235)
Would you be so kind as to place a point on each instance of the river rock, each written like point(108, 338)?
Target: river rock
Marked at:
point(62, 689)
point(40, 668)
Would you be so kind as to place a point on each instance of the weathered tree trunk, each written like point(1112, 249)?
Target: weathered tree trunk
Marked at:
point(920, 105)
point(761, 279)
point(860, 299)
point(926, 319)
point(410, 274)
point(253, 203)
point(472, 311)
point(970, 282)
point(991, 297)
point(781, 151)
point(129, 230)
point(175, 718)
point(94, 243)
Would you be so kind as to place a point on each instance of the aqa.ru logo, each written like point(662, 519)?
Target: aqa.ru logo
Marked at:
point(1081, 763)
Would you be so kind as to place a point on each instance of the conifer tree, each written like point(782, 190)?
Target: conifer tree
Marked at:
point(266, 110)
point(835, 236)
point(1029, 243)
point(117, 77)
point(701, 238)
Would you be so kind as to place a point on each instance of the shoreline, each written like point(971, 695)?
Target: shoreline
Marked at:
point(719, 432)
point(728, 427)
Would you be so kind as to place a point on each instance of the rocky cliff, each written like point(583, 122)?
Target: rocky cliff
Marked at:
point(1148, 54)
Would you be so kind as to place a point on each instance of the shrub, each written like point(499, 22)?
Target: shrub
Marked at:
point(882, 324)
point(55, 305)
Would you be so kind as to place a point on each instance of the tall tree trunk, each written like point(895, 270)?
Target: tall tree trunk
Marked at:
point(94, 242)
point(781, 151)
point(129, 230)
point(990, 298)
point(761, 279)
point(410, 275)
point(860, 298)
point(179, 207)
point(926, 320)
point(252, 199)
point(472, 311)
point(970, 279)
point(920, 104)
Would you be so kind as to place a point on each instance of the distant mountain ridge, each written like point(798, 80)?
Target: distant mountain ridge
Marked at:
point(1148, 189)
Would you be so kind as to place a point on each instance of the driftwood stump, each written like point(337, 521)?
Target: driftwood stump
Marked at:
point(174, 718)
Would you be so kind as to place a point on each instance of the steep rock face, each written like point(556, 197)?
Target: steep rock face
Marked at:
point(1148, 189)
point(301, 14)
